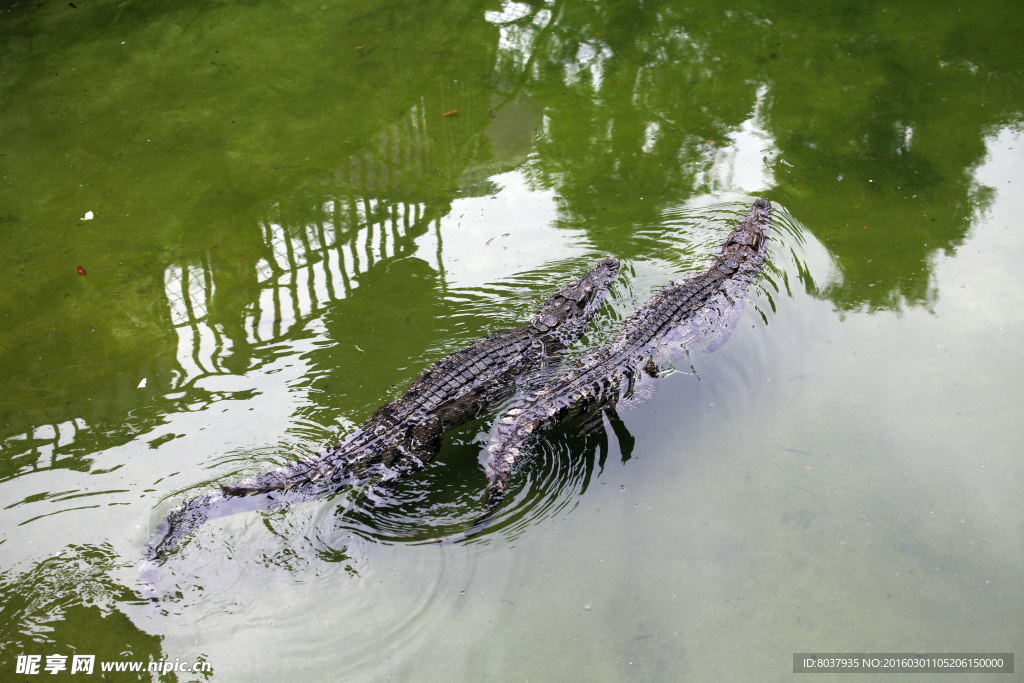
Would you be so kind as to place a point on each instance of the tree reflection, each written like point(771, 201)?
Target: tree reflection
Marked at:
point(866, 122)
point(875, 118)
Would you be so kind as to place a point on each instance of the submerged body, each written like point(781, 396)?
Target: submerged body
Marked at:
point(662, 329)
point(405, 434)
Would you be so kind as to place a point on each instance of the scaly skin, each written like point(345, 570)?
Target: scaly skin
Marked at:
point(663, 328)
point(404, 434)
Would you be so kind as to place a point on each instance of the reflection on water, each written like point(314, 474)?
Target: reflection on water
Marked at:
point(297, 209)
point(43, 445)
point(308, 268)
point(742, 161)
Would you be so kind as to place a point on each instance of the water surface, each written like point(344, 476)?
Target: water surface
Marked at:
point(285, 214)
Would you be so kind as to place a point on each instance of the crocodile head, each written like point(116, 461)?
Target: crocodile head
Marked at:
point(753, 229)
point(744, 250)
point(569, 310)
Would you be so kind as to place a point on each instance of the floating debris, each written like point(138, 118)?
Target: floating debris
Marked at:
point(88, 216)
point(494, 238)
point(81, 271)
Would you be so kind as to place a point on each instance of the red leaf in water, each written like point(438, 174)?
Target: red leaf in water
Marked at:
point(80, 270)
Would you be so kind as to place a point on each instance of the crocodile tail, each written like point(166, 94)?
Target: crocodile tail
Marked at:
point(181, 522)
point(323, 467)
point(296, 482)
point(512, 432)
point(263, 483)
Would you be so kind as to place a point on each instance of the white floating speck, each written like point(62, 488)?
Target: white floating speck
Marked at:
point(142, 384)
point(87, 216)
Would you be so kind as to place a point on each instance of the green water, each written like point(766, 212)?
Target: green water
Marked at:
point(285, 214)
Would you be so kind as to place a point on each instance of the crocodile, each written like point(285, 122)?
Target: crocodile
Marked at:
point(405, 434)
point(662, 330)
